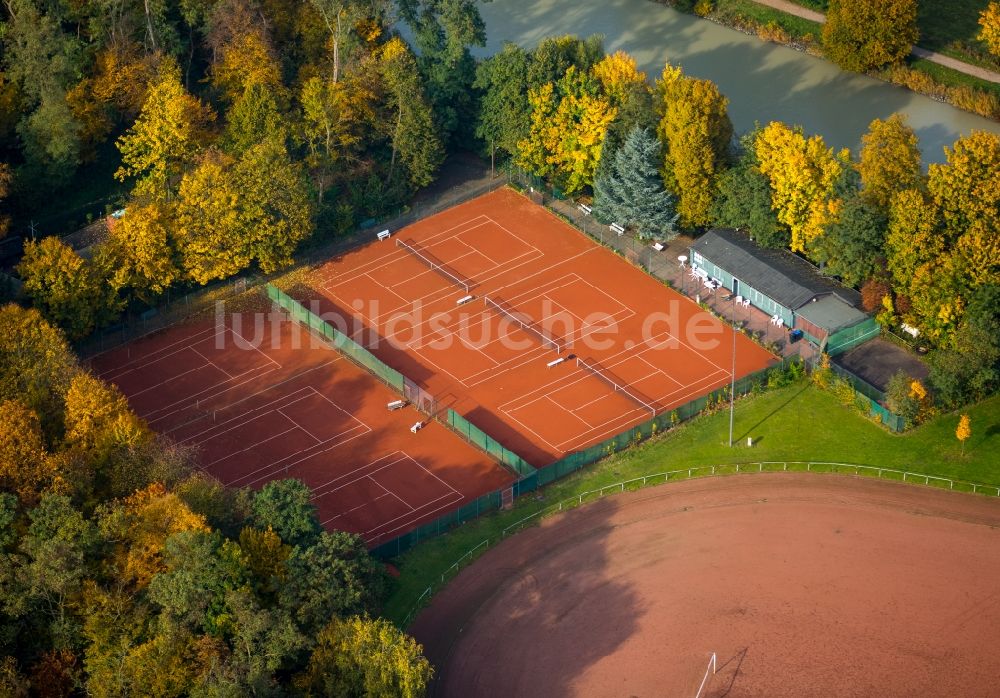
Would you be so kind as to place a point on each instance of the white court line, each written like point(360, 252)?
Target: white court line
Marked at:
point(320, 490)
point(404, 457)
point(305, 454)
point(211, 363)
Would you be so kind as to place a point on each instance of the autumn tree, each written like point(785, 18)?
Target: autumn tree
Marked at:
point(567, 128)
point(410, 123)
point(803, 174)
point(207, 223)
point(359, 657)
point(245, 60)
point(6, 178)
point(253, 118)
point(335, 124)
point(862, 35)
point(65, 287)
point(273, 204)
point(963, 431)
point(989, 23)
point(139, 252)
point(890, 160)
point(140, 526)
point(170, 131)
point(632, 193)
point(36, 364)
point(696, 133)
point(25, 467)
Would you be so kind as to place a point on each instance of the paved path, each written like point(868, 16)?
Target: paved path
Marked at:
point(948, 62)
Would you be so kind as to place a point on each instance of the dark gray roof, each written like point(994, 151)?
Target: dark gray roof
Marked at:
point(779, 274)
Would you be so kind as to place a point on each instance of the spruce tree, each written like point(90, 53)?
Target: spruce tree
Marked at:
point(630, 192)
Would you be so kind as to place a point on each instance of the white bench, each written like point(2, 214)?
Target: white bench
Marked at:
point(384, 235)
point(585, 208)
point(464, 299)
point(616, 228)
point(556, 362)
point(396, 405)
point(659, 246)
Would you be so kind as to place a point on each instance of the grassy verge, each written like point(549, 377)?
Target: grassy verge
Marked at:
point(747, 14)
point(795, 423)
point(952, 78)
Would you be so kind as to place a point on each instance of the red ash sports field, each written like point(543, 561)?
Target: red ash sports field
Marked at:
point(565, 286)
point(803, 585)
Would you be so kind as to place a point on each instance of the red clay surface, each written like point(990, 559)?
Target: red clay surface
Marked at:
point(263, 401)
point(558, 280)
point(803, 585)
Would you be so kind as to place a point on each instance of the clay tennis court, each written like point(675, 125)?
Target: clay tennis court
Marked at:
point(536, 291)
point(261, 400)
point(803, 585)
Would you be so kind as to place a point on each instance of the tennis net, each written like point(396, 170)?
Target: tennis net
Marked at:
point(618, 387)
point(530, 329)
point(436, 266)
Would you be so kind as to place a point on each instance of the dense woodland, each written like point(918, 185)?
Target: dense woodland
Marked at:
point(245, 128)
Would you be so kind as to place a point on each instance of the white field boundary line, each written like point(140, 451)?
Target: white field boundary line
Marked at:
point(655, 479)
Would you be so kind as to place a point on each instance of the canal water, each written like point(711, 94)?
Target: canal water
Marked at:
point(764, 82)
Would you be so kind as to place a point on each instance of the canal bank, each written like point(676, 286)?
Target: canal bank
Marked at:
point(763, 81)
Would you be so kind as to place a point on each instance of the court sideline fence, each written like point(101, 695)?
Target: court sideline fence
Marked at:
point(660, 478)
point(574, 461)
point(419, 397)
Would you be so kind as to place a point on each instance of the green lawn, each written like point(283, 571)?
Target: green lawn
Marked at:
point(799, 29)
point(797, 423)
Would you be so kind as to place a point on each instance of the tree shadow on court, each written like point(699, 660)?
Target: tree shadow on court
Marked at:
point(533, 615)
point(776, 410)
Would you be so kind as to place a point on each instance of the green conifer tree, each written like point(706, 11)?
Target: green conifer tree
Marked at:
point(631, 192)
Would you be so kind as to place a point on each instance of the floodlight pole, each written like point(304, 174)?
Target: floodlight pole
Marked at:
point(732, 384)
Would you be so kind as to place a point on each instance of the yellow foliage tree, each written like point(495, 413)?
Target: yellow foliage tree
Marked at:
point(25, 467)
point(98, 417)
point(246, 59)
point(140, 525)
point(361, 656)
point(568, 125)
point(890, 160)
point(170, 131)
point(618, 75)
point(964, 430)
point(206, 221)
point(966, 188)
point(803, 173)
point(264, 554)
point(989, 23)
point(696, 133)
point(138, 252)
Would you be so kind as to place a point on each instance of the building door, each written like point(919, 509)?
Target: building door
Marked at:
point(736, 286)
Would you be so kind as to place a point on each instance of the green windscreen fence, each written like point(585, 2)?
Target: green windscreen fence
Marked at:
point(341, 341)
point(467, 512)
point(578, 459)
point(479, 438)
point(845, 339)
